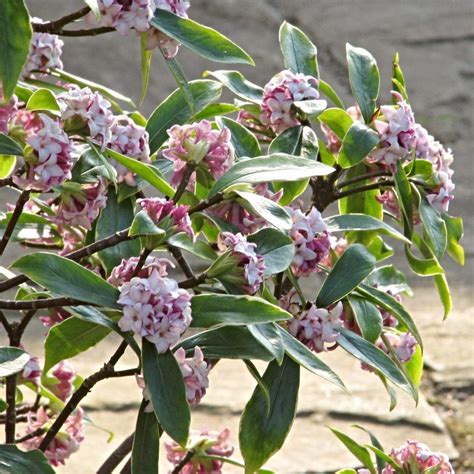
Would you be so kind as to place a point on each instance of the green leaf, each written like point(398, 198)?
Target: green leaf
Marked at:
point(299, 53)
point(212, 309)
point(307, 359)
point(423, 266)
point(200, 39)
point(12, 360)
point(16, 35)
point(377, 445)
point(29, 227)
point(276, 248)
point(288, 141)
point(311, 108)
point(146, 443)
point(414, 367)
point(390, 304)
point(388, 278)
point(175, 110)
point(364, 79)
point(244, 141)
point(147, 172)
point(165, 385)
point(67, 278)
point(376, 358)
point(272, 212)
point(434, 227)
point(143, 225)
point(367, 316)
point(398, 78)
point(228, 342)
point(92, 158)
point(338, 120)
point(444, 293)
point(214, 110)
point(356, 145)
point(238, 84)
point(43, 99)
point(263, 432)
point(8, 146)
point(181, 79)
point(361, 453)
point(268, 336)
point(145, 66)
point(7, 165)
point(354, 265)
point(199, 248)
point(15, 461)
point(275, 167)
point(261, 384)
point(455, 231)
point(70, 338)
point(404, 194)
point(361, 222)
point(331, 94)
point(114, 218)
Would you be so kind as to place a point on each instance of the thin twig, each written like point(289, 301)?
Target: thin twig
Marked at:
point(178, 255)
point(207, 203)
point(24, 196)
point(55, 25)
point(5, 323)
point(187, 457)
point(193, 281)
point(32, 435)
point(22, 305)
point(190, 168)
point(117, 456)
point(25, 321)
point(86, 32)
point(142, 260)
point(363, 177)
point(127, 469)
point(361, 189)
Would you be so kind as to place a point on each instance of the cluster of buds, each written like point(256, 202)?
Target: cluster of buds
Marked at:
point(45, 53)
point(239, 263)
point(316, 327)
point(125, 271)
point(80, 205)
point(311, 238)
point(155, 308)
point(195, 372)
point(160, 210)
point(203, 443)
point(65, 443)
point(8, 112)
point(279, 96)
point(397, 134)
point(64, 376)
point(49, 160)
point(199, 144)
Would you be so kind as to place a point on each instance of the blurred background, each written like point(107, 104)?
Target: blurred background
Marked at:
point(435, 40)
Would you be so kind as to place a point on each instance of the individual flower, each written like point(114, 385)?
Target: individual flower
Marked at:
point(414, 456)
point(155, 308)
point(65, 375)
point(316, 327)
point(203, 443)
point(55, 316)
point(279, 96)
point(32, 371)
point(65, 443)
point(81, 207)
point(45, 53)
point(311, 238)
point(403, 344)
point(130, 140)
point(247, 266)
point(81, 107)
point(195, 372)
point(158, 209)
point(200, 144)
point(49, 163)
point(8, 111)
point(397, 134)
point(125, 270)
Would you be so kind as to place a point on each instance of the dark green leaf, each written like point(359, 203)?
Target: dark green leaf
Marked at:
point(143, 225)
point(12, 360)
point(434, 227)
point(16, 35)
point(93, 159)
point(364, 79)
point(263, 432)
point(268, 335)
point(330, 93)
point(403, 190)
point(238, 84)
point(8, 146)
point(43, 99)
point(198, 248)
point(200, 39)
point(311, 108)
point(165, 385)
point(181, 80)
point(288, 141)
point(388, 278)
point(244, 141)
point(357, 144)
point(67, 278)
point(175, 110)
point(15, 461)
point(354, 265)
point(367, 316)
point(299, 53)
point(338, 120)
point(377, 445)
point(212, 309)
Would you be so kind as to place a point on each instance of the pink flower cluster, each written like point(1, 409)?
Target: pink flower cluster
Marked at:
point(81, 208)
point(65, 443)
point(155, 308)
point(159, 208)
point(204, 443)
point(397, 134)
point(200, 144)
point(414, 456)
point(124, 16)
point(195, 372)
point(8, 111)
point(311, 239)
point(88, 108)
point(55, 316)
point(124, 272)
point(403, 344)
point(249, 266)
point(65, 376)
point(316, 327)
point(279, 96)
point(45, 53)
point(131, 140)
point(50, 163)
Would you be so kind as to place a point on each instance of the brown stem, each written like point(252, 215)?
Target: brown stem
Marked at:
point(127, 469)
point(361, 189)
point(190, 168)
point(32, 435)
point(178, 255)
point(142, 260)
point(188, 456)
point(362, 177)
point(86, 32)
point(24, 196)
point(5, 323)
point(117, 456)
point(25, 321)
point(55, 25)
point(193, 281)
point(38, 304)
point(207, 203)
